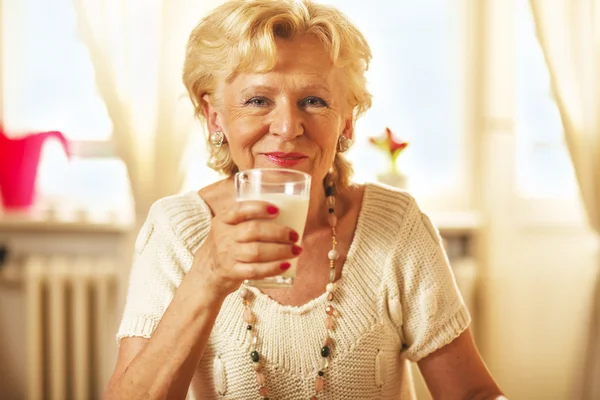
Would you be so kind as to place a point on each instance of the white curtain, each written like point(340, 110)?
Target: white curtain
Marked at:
point(137, 49)
point(569, 33)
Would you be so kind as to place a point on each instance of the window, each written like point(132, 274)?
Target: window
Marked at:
point(544, 169)
point(48, 83)
point(414, 81)
point(48, 76)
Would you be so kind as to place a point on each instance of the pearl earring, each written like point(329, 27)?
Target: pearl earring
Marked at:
point(217, 138)
point(344, 144)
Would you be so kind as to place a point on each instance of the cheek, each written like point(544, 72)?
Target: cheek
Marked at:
point(328, 145)
point(244, 132)
point(326, 131)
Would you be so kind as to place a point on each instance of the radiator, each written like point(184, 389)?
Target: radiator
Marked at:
point(70, 303)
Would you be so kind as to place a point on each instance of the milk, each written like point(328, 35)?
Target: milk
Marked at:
point(293, 210)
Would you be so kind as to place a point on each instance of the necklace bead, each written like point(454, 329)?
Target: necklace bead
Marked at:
point(333, 254)
point(332, 220)
point(330, 201)
point(248, 316)
point(260, 378)
point(319, 384)
point(329, 323)
point(331, 277)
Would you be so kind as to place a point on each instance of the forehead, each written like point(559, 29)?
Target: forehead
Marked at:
point(300, 61)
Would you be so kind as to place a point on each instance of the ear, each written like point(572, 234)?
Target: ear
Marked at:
point(213, 119)
point(348, 130)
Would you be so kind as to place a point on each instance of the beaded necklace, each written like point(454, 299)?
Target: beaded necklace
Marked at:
point(330, 311)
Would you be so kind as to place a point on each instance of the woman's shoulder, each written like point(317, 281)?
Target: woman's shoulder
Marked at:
point(178, 209)
point(185, 218)
point(387, 201)
point(192, 206)
point(384, 213)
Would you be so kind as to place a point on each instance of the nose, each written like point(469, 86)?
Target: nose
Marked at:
point(286, 121)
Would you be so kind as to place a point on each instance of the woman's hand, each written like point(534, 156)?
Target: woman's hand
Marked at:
point(245, 243)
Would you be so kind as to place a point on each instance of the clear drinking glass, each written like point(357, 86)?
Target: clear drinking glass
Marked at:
point(287, 189)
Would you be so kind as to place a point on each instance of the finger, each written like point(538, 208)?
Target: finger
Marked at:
point(265, 231)
point(252, 271)
point(257, 252)
point(249, 209)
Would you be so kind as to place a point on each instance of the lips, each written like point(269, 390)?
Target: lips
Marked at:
point(285, 159)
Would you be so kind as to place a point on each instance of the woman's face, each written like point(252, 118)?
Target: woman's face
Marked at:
point(290, 117)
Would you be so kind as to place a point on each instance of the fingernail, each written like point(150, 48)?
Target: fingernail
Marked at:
point(285, 266)
point(294, 236)
point(272, 210)
point(296, 250)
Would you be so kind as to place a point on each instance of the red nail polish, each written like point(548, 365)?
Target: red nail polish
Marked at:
point(272, 210)
point(294, 236)
point(285, 266)
point(296, 250)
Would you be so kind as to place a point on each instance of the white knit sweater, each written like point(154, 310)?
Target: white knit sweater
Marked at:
point(397, 297)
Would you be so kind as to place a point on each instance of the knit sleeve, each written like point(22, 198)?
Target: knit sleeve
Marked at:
point(432, 310)
point(157, 271)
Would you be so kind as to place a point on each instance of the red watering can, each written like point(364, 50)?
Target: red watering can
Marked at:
point(19, 159)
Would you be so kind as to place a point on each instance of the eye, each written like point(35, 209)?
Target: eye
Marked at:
point(314, 101)
point(258, 101)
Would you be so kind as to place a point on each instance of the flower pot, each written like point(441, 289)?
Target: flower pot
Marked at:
point(395, 179)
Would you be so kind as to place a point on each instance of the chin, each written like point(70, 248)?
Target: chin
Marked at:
point(299, 168)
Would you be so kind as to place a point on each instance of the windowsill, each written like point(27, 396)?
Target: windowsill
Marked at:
point(567, 214)
point(81, 195)
point(40, 218)
point(84, 195)
point(459, 223)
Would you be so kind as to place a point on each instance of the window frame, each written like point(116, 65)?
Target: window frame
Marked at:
point(81, 148)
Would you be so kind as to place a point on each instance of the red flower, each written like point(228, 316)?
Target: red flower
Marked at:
point(389, 144)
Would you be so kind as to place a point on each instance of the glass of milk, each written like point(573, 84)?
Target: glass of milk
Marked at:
point(288, 190)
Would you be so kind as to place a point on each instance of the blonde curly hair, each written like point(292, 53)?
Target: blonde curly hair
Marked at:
point(239, 36)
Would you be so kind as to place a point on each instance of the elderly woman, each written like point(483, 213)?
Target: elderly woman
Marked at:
point(280, 83)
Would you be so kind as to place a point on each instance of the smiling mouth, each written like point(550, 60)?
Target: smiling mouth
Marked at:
point(285, 159)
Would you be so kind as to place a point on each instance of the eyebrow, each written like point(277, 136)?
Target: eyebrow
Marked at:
point(315, 86)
